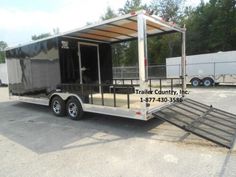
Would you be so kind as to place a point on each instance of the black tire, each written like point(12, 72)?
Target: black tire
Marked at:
point(195, 82)
point(58, 106)
point(74, 109)
point(207, 82)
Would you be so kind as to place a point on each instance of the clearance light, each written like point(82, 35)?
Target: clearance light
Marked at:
point(145, 62)
point(138, 113)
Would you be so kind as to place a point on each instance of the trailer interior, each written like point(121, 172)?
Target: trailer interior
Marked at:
point(78, 65)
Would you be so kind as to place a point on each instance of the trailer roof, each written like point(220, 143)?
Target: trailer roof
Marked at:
point(117, 29)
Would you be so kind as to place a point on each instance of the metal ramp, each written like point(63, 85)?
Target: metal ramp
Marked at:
point(202, 120)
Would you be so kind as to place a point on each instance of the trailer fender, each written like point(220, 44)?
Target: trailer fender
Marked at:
point(194, 79)
point(65, 97)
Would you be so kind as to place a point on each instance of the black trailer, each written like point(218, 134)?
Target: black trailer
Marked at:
point(72, 73)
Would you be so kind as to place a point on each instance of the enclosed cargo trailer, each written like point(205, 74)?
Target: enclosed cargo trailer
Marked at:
point(72, 73)
point(205, 69)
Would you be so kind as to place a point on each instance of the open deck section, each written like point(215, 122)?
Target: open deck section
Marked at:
point(135, 101)
point(127, 93)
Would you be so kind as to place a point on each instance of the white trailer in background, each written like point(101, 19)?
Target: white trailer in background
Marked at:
point(205, 69)
point(3, 74)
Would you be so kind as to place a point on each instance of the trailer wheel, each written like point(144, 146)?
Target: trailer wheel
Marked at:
point(74, 109)
point(195, 82)
point(58, 106)
point(207, 82)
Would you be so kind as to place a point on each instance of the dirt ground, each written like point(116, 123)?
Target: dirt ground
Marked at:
point(33, 142)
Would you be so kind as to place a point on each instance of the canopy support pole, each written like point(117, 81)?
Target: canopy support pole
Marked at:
point(142, 49)
point(183, 61)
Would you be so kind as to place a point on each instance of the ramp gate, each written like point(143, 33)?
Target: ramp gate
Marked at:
point(202, 120)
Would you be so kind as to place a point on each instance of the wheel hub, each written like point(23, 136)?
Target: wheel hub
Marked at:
point(56, 107)
point(195, 83)
point(73, 111)
point(207, 83)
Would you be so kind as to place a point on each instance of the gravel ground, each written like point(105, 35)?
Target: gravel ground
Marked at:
point(35, 143)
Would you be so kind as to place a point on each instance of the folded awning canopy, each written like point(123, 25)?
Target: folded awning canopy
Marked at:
point(123, 28)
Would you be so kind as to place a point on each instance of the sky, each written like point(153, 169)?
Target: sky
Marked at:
point(20, 19)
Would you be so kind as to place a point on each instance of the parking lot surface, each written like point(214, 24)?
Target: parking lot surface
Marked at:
point(33, 142)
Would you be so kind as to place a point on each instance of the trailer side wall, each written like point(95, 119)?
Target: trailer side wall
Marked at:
point(3, 73)
point(34, 69)
point(214, 64)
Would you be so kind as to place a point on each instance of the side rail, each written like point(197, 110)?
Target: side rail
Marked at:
point(153, 83)
point(112, 95)
point(158, 92)
point(165, 83)
point(126, 93)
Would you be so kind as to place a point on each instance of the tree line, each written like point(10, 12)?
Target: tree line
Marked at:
point(211, 27)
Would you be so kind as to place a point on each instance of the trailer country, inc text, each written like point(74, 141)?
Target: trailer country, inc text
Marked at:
point(161, 92)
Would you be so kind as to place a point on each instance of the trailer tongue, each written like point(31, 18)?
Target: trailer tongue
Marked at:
point(202, 120)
